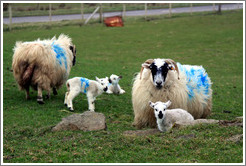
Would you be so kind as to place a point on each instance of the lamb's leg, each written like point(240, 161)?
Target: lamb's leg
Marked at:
point(27, 93)
point(71, 95)
point(121, 90)
point(65, 100)
point(91, 101)
point(40, 96)
point(55, 91)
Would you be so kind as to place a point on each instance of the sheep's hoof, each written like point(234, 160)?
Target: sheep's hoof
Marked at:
point(40, 102)
point(28, 98)
point(47, 96)
point(55, 91)
point(70, 109)
point(65, 104)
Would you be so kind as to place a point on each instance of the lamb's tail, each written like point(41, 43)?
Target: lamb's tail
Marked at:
point(68, 86)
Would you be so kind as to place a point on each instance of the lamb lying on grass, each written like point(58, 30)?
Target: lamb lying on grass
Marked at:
point(113, 86)
point(166, 118)
point(91, 88)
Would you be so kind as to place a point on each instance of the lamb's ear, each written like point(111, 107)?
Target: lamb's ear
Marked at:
point(151, 104)
point(109, 80)
point(168, 103)
point(97, 78)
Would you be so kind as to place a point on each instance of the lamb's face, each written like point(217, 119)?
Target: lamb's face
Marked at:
point(114, 79)
point(160, 108)
point(159, 69)
point(103, 82)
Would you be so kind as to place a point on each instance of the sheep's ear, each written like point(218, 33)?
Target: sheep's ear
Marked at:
point(107, 78)
point(146, 65)
point(97, 78)
point(151, 104)
point(168, 103)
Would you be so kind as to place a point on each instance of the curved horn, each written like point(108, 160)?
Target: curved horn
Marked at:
point(148, 61)
point(170, 61)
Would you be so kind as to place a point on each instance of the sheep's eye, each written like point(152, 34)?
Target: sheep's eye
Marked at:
point(164, 110)
point(155, 109)
point(102, 83)
point(114, 78)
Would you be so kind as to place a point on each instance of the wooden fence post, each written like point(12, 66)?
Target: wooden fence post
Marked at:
point(191, 9)
point(10, 17)
point(82, 12)
point(145, 8)
point(170, 10)
point(101, 13)
point(124, 11)
point(214, 7)
point(50, 13)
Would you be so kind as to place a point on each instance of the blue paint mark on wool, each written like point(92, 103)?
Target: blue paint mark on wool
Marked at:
point(197, 80)
point(60, 54)
point(85, 82)
point(109, 84)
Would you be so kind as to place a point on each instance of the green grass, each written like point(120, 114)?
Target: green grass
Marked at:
point(214, 41)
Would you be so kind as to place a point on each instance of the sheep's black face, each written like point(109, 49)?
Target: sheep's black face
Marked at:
point(73, 49)
point(159, 72)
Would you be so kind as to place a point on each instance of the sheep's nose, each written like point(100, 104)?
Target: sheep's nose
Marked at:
point(158, 84)
point(160, 115)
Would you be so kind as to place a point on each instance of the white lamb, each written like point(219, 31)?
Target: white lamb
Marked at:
point(166, 118)
point(113, 86)
point(91, 88)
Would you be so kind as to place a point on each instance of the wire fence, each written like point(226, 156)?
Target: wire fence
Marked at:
point(85, 9)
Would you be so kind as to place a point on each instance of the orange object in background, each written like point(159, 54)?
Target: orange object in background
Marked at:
point(115, 21)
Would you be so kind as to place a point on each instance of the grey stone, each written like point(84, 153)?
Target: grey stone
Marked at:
point(195, 122)
point(141, 132)
point(87, 121)
point(236, 138)
point(239, 119)
point(188, 136)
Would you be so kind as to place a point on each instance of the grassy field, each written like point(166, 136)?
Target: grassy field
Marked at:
point(214, 41)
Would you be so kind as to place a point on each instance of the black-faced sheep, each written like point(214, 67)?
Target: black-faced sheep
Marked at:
point(43, 64)
point(188, 87)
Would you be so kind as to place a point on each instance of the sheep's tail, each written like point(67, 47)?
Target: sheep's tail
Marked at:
point(27, 75)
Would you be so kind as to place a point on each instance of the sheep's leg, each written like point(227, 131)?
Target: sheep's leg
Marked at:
point(55, 91)
point(91, 101)
point(27, 93)
point(48, 94)
point(65, 100)
point(40, 96)
point(71, 95)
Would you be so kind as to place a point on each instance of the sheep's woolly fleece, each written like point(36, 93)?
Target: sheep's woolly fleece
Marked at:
point(197, 80)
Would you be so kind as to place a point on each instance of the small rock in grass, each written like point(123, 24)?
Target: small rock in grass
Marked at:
point(197, 121)
point(236, 138)
point(87, 121)
point(141, 132)
point(188, 136)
